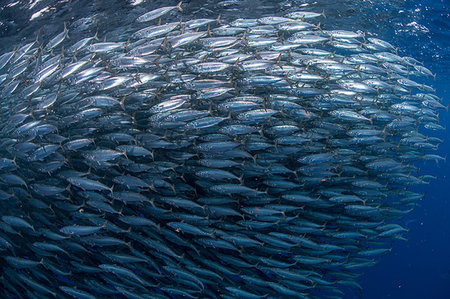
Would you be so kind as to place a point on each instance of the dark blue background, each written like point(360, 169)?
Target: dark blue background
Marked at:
point(420, 267)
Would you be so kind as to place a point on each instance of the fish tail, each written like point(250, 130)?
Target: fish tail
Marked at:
point(179, 6)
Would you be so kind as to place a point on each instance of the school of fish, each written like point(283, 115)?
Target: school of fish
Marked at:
point(208, 159)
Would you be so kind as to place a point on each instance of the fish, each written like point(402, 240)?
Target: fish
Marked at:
point(201, 157)
point(159, 12)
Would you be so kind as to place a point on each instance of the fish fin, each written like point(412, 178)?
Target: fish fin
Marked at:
point(320, 29)
point(261, 131)
point(210, 109)
point(179, 6)
point(241, 179)
point(121, 102)
point(282, 111)
point(279, 61)
point(156, 61)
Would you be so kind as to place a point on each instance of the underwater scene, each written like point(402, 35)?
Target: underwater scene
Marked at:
point(224, 149)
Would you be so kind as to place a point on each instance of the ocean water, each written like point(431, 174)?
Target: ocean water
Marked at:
point(420, 267)
point(416, 268)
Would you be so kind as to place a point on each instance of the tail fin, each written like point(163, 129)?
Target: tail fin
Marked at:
point(179, 6)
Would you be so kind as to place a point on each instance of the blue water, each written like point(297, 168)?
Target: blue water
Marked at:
point(419, 267)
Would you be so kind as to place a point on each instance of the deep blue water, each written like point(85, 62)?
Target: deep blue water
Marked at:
point(419, 267)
